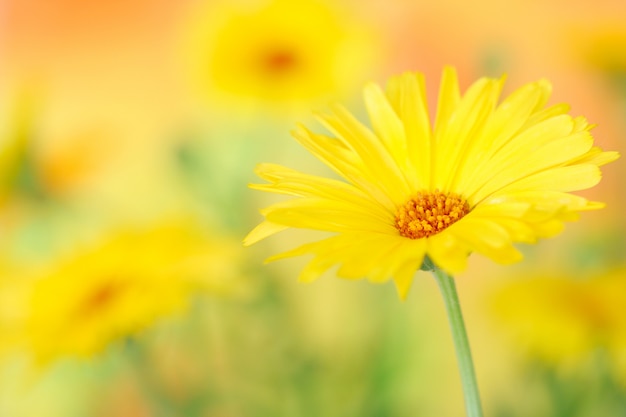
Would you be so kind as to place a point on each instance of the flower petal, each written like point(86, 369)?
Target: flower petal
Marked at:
point(454, 138)
point(326, 215)
point(407, 95)
point(486, 237)
point(447, 252)
point(263, 230)
point(343, 161)
point(567, 178)
point(289, 181)
point(510, 168)
point(505, 122)
point(378, 165)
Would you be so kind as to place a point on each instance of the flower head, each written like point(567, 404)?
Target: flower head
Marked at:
point(484, 176)
point(601, 46)
point(79, 304)
point(274, 51)
point(557, 318)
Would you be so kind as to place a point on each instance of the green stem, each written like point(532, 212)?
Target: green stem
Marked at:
point(461, 344)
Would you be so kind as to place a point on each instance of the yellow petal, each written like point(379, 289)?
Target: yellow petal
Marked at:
point(486, 237)
point(407, 95)
point(505, 122)
point(539, 159)
point(288, 181)
point(597, 157)
point(386, 124)
point(568, 178)
point(545, 114)
point(404, 279)
point(449, 97)
point(378, 165)
point(346, 163)
point(454, 139)
point(263, 230)
point(326, 215)
point(447, 252)
point(499, 208)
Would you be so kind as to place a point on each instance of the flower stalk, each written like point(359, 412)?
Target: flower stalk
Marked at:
point(459, 338)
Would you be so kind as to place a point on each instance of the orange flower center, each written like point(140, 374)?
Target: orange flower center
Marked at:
point(429, 213)
point(101, 299)
point(279, 62)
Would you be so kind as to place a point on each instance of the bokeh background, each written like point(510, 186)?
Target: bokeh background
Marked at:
point(128, 132)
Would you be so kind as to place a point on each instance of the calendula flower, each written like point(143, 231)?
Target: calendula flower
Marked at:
point(601, 46)
point(485, 175)
point(77, 305)
point(275, 52)
point(557, 318)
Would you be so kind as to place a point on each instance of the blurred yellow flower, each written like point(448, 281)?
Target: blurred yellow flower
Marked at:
point(279, 50)
point(79, 304)
point(601, 46)
point(557, 318)
point(485, 176)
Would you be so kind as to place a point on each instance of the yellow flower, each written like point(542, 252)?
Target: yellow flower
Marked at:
point(79, 304)
point(601, 46)
point(484, 176)
point(278, 50)
point(558, 318)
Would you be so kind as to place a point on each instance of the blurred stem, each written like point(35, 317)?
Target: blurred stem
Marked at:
point(461, 343)
point(159, 403)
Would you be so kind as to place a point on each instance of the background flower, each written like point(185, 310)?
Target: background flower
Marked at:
point(566, 331)
point(113, 289)
point(561, 318)
point(279, 52)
